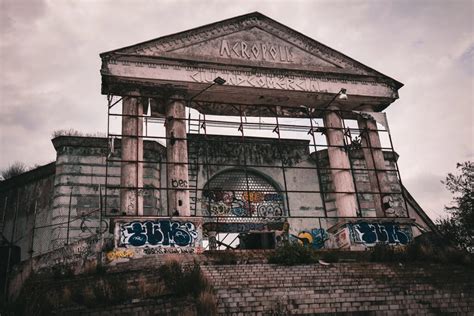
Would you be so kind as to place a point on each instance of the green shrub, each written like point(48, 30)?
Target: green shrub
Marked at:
point(293, 254)
point(421, 251)
point(384, 253)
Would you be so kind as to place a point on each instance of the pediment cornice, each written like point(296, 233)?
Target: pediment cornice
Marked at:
point(258, 35)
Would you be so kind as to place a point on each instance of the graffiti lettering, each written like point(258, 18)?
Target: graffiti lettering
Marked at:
point(221, 203)
point(243, 227)
point(118, 253)
point(165, 233)
point(386, 233)
point(270, 211)
point(253, 197)
point(341, 239)
point(179, 183)
point(262, 153)
point(162, 250)
point(273, 197)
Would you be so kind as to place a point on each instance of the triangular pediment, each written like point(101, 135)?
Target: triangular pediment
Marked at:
point(253, 46)
point(250, 40)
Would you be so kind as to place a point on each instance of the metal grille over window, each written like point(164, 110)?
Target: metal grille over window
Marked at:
point(238, 193)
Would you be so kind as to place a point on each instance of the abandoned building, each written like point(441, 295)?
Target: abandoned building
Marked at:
point(241, 134)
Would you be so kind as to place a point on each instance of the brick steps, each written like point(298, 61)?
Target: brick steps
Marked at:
point(351, 288)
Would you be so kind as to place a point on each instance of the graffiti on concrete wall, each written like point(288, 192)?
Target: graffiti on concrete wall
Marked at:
point(314, 238)
point(253, 203)
point(163, 250)
point(163, 232)
point(340, 239)
point(392, 205)
point(120, 253)
point(179, 183)
point(384, 233)
point(244, 227)
point(222, 151)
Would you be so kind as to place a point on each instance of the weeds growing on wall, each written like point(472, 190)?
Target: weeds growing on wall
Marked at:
point(293, 254)
point(189, 281)
point(224, 257)
point(421, 252)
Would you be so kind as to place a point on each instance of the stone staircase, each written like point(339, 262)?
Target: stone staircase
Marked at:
point(344, 288)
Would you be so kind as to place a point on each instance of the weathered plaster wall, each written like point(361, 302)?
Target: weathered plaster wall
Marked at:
point(396, 207)
point(26, 195)
point(263, 156)
point(81, 171)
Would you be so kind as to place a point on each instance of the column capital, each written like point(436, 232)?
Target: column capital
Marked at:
point(333, 107)
point(365, 108)
point(176, 97)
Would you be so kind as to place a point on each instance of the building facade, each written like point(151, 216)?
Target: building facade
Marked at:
point(241, 134)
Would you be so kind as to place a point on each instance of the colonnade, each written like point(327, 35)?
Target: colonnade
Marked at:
point(131, 200)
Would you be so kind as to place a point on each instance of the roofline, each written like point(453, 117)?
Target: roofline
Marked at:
point(257, 14)
point(419, 210)
point(38, 173)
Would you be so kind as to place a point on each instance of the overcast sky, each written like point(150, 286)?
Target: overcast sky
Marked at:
point(49, 65)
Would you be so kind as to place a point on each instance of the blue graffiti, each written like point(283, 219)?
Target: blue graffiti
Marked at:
point(386, 233)
point(273, 197)
point(158, 233)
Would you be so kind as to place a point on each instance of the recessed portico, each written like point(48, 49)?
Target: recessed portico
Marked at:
point(268, 70)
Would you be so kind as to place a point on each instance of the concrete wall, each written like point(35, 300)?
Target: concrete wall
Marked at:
point(81, 171)
point(263, 157)
point(366, 198)
point(29, 196)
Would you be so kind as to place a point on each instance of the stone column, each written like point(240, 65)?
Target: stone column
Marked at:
point(374, 159)
point(338, 158)
point(177, 157)
point(131, 173)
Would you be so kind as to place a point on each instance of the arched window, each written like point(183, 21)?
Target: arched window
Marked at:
point(237, 193)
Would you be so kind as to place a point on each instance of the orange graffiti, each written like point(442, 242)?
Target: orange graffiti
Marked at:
point(253, 197)
point(116, 254)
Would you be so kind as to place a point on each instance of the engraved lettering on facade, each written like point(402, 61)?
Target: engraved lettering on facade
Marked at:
point(224, 48)
point(248, 79)
point(256, 51)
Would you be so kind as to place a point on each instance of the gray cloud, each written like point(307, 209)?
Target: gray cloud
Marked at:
point(50, 68)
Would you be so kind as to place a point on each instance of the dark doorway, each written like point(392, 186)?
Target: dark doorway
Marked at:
point(257, 241)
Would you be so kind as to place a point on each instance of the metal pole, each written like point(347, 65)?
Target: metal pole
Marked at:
point(33, 232)
point(348, 150)
point(137, 165)
point(69, 217)
point(109, 153)
point(11, 245)
point(282, 162)
point(245, 163)
point(318, 167)
point(99, 254)
point(4, 212)
point(399, 177)
point(371, 149)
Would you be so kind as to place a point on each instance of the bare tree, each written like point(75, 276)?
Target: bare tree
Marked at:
point(13, 170)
